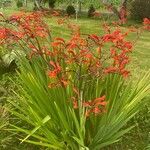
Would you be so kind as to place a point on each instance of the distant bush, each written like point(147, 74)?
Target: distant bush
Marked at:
point(51, 3)
point(140, 9)
point(91, 11)
point(70, 10)
point(19, 3)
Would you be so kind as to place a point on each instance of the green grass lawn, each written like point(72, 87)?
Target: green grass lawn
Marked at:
point(140, 62)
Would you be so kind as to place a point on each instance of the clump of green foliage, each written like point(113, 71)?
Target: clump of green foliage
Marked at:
point(19, 3)
point(70, 10)
point(51, 3)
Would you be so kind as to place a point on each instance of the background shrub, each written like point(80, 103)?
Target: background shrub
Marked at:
point(140, 9)
point(19, 3)
point(51, 3)
point(91, 11)
point(70, 10)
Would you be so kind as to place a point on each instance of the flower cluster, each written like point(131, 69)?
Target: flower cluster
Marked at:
point(146, 23)
point(95, 106)
point(120, 59)
point(73, 62)
point(29, 26)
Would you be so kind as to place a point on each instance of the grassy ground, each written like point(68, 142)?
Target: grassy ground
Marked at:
point(138, 138)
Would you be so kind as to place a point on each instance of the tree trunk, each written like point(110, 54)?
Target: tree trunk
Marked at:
point(37, 4)
point(26, 3)
point(80, 6)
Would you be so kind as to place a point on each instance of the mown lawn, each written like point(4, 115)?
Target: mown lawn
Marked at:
point(140, 62)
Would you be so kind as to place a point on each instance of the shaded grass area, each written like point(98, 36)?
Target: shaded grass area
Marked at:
point(137, 139)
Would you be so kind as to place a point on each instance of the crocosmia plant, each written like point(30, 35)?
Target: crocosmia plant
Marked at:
point(76, 93)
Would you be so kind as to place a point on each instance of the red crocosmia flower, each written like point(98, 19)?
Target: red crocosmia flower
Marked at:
point(106, 28)
point(20, 35)
point(89, 56)
point(56, 71)
point(52, 74)
point(132, 29)
point(83, 51)
point(64, 82)
point(15, 18)
point(87, 113)
point(128, 45)
point(117, 32)
point(60, 21)
point(71, 52)
point(110, 70)
point(115, 23)
point(146, 21)
point(60, 39)
point(96, 110)
point(71, 45)
point(98, 50)
point(123, 64)
point(3, 33)
point(94, 37)
point(87, 104)
point(95, 106)
point(31, 54)
point(53, 85)
point(57, 43)
point(55, 13)
point(125, 73)
point(98, 64)
point(100, 101)
point(75, 103)
point(107, 37)
point(113, 52)
point(54, 64)
point(41, 34)
point(82, 42)
point(48, 53)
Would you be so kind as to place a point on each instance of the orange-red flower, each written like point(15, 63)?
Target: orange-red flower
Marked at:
point(56, 69)
point(95, 106)
point(146, 23)
point(55, 13)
